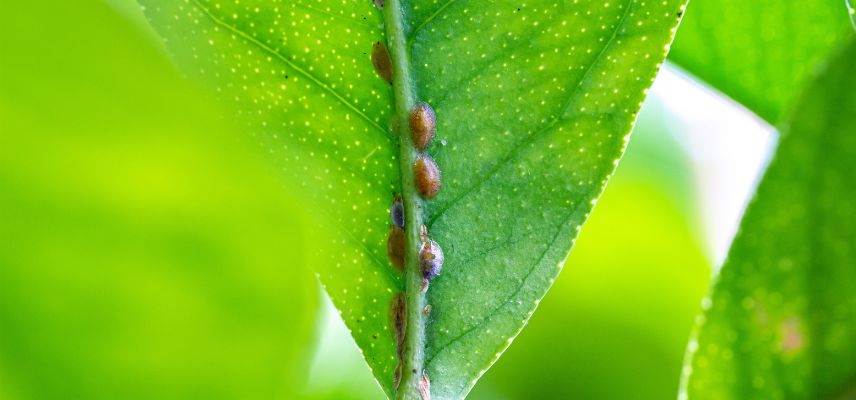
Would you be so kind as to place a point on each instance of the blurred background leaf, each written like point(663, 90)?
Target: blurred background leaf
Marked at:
point(146, 249)
point(782, 320)
point(760, 53)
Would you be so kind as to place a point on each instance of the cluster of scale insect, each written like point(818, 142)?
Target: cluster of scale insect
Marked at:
point(423, 126)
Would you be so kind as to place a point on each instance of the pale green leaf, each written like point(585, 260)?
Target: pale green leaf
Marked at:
point(760, 53)
point(781, 322)
point(145, 251)
point(534, 104)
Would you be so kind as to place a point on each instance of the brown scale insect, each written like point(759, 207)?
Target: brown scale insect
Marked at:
point(398, 320)
point(396, 212)
point(425, 387)
point(427, 176)
point(396, 379)
point(395, 247)
point(379, 4)
point(381, 61)
point(427, 310)
point(423, 125)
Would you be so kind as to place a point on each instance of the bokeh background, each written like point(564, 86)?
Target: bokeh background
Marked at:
point(149, 249)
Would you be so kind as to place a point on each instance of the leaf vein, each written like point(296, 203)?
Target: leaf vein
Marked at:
point(428, 20)
point(545, 128)
point(291, 64)
point(508, 300)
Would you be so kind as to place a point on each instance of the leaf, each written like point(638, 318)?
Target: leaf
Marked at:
point(782, 320)
point(760, 53)
point(142, 247)
point(533, 102)
point(600, 333)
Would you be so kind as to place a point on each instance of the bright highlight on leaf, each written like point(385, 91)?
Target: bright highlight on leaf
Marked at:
point(533, 105)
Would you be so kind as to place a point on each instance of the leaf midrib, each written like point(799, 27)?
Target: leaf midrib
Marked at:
point(430, 18)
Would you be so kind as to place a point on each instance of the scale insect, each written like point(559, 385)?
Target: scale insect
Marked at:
point(382, 62)
point(427, 175)
point(396, 212)
point(425, 387)
point(398, 318)
point(423, 125)
point(430, 260)
point(395, 247)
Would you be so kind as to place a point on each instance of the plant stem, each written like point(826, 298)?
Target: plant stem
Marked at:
point(413, 358)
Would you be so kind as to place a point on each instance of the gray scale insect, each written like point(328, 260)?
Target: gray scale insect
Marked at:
point(396, 212)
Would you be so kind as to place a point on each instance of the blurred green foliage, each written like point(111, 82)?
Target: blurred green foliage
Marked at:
point(760, 53)
point(781, 322)
point(147, 250)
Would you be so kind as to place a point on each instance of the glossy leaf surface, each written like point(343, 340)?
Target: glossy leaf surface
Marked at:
point(534, 103)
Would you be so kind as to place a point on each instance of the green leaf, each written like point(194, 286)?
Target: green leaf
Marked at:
point(145, 252)
point(782, 320)
point(760, 53)
point(616, 324)
point(852, 12)
point(534, 104)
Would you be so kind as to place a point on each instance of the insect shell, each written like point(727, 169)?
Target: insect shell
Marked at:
point(423, 125)
point(381, 62)
point(396, 212)
point(395, 247)
point(427, 176)
point(396, 379)
point(430, 260)
point(397, 320)
point(425, 387)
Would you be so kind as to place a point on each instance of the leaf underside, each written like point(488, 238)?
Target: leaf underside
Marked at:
point(781, 322)
point(534, 106)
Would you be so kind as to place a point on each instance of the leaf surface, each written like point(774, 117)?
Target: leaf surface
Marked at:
point(781, 322)
point(760, 53)
point(534, 104)
point(615, 325)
